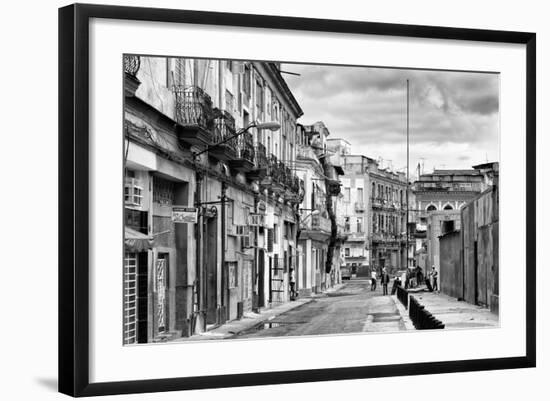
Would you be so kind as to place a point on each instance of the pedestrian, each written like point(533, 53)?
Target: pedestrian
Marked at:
point(419, 275)
point(373, 280)
point(384, 280)
point(434, 279)
point(292, 284)
point(396, 283)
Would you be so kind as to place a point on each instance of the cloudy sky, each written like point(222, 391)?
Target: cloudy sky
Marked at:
point(454, 116)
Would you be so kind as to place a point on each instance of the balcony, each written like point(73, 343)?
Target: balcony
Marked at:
point(259, 171)
point(244, 160)
point(194, 115)
point(357, 237)
point(224, 128)
point(319, 222)
point(359, 207)
point(388, 240)
point(275, 179)
point(131, 68)
point(315, 227)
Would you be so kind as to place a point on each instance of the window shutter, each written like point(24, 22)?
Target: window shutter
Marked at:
point(142, 297)
point(270, 240)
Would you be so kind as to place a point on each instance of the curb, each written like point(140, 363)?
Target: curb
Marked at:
point(403, 313)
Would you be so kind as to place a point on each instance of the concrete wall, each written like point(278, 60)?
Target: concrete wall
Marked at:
point(469, 259)
point(451, 276)
point(481, 265)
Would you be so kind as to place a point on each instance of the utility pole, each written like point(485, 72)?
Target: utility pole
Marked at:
point(407, 194)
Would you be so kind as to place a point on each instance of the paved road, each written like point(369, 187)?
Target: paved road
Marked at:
point(351, 309)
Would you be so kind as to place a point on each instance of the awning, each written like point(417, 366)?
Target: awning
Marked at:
point(136, 241)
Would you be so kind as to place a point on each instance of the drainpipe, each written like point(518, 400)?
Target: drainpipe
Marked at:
point(224, 294)
point(198, 233)
point(255, 299)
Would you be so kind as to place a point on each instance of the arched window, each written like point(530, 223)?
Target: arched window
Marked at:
point(431, 208)
point(448, 207)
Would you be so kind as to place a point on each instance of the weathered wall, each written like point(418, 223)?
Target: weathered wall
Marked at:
point(480, 235)
point(451, 277)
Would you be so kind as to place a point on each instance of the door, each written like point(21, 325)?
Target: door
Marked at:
point(161, 289)
point(261, 277)
point(211, 270)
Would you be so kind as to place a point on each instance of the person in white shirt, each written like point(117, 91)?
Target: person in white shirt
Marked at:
point(373, 280)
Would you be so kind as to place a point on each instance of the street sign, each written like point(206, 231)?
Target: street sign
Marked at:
point(184, 214)
point(256, 220)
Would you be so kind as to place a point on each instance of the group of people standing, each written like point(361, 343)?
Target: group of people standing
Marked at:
point(431, 280)
point(384, 280)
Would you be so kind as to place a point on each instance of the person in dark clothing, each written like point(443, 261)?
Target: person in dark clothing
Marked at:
point(384, 280)
point(419, 275)
point(396, 283)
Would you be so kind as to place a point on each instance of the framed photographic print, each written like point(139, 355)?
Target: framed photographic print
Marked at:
point(251, 199)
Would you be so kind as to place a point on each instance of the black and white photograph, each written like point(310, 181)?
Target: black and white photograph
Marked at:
point(271, 199)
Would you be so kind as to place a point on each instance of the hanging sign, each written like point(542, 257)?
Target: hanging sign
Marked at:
point(256, 220)
point(181, 214)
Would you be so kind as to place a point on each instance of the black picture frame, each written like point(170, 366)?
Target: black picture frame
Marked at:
point(74, 201)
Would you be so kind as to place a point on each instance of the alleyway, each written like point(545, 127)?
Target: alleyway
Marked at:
point(352, 308)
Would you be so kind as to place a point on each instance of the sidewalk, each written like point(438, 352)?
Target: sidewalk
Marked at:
point(250, 319)
point(453, 313)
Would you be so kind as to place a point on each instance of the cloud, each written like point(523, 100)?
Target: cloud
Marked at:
point(449, 111)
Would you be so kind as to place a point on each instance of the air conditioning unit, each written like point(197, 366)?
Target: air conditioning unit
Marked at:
point(242, 230)
point(247, 241)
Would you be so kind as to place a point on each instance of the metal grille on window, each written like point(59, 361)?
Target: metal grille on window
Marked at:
point(163, 191)
point(130, 297)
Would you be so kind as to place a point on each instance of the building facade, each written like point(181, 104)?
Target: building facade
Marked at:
point(388, 191)
point(213, 215)
point(354, 207)
point(321, 266)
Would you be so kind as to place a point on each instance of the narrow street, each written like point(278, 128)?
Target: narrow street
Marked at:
point(353, 308)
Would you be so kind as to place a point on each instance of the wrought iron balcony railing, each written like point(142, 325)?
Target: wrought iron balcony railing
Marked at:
point(261, 156)
point(131, 65)
point(194, 107)
point(224, 127)
point(320, 223)
point(359, 207)
point(245, 147)
point(275, 170)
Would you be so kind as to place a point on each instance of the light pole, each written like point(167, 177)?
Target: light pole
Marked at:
point(273, 126)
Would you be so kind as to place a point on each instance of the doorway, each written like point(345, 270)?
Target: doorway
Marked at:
point(261, 277)
point(211, 270)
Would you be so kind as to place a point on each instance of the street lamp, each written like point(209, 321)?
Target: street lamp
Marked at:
point(270, 125)
point(315, 212)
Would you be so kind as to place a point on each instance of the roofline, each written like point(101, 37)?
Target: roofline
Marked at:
point(272, 67)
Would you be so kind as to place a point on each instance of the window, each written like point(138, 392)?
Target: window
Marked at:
point(448, 207)
point(229, 101)
point(229, 65)
point(268, 105)
point(246, 81)
point(133, 191)
point(431, 208)
point(163, 191)
point(347, 194)
point(259, 99)
point(270, 240)
point(179, 71)
point(346, 252)
point(346, 224)
point(360, 195)
point(275, 234)
point(359, 224)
